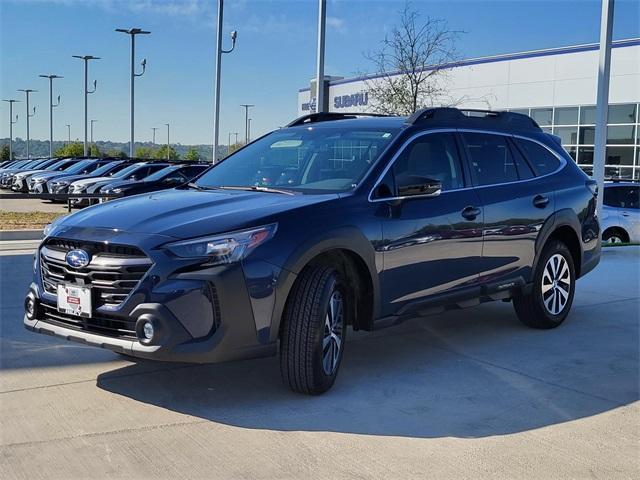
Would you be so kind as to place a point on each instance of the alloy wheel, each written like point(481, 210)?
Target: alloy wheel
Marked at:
point(332, 340)
point(556, 284)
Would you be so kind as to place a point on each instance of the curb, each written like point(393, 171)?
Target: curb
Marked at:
point(21, 235)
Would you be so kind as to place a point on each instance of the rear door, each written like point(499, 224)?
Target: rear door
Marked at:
point(516, 203)
point(431, 245)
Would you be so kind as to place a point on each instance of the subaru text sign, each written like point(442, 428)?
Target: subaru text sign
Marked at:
point(353, 100)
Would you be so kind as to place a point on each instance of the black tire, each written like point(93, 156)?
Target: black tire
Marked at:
point(304, 330)
point(536, 309)
point(615, 235)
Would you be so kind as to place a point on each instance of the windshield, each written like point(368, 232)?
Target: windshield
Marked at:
point(309, 160)
point(78, 166)
point(105, 168)
point(160, 174)
point(127, 171)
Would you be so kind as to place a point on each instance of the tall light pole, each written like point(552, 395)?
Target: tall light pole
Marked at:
point(236, 134)
point(51, 107)
point(92, 122)
point(216, 81)
point(68, 125)
point(248, 130)
point(27, 92)
point(154, 134)
point(86, 59)
point(12, 122)
point(602, 100)
point(246, 106)
point(132, 32)
point(322, 20)
point(167, 140)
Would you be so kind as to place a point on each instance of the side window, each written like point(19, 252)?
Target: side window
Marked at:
point(524, 169)
point(191, 172)
point(491, 159)
point(433, 156)
point(542, 160)
point(630, 197)
point(611, 197)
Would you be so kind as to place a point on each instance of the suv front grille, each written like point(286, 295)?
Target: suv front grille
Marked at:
point(114, 270)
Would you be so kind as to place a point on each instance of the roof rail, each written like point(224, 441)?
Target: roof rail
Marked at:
point(329, 116)
point(510, 119)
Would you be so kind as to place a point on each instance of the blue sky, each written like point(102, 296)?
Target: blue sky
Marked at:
point(275, 54)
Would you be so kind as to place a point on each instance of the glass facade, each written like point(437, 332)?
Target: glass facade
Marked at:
point(575, 125)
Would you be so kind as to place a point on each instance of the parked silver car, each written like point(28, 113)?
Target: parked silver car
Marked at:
point(621, 213)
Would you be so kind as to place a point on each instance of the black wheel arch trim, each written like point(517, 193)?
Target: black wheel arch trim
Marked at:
point(562, 218)
point(345, 238)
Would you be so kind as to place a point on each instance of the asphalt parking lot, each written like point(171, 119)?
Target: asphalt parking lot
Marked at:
point(467, 394)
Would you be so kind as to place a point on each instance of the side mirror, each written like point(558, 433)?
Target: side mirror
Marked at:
point(415, 185)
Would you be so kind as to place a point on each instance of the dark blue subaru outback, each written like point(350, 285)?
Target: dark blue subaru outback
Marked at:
point(335, 220)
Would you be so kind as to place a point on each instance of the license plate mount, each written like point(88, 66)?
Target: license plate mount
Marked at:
point(74, 300)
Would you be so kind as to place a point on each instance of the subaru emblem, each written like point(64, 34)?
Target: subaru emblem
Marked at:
point(77, 258)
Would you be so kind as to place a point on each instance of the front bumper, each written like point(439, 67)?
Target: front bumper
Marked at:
point(200, 315)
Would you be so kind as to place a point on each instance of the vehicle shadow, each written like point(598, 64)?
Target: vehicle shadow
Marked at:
point(470, 373)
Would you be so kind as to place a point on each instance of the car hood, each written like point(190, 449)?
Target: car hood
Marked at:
point(29, 172)
point(49, 175)
point(86, 181)
point(189, 213)
point(123, 182)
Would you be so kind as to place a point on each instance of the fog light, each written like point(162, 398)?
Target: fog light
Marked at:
point(147, 330)
point(30, 307)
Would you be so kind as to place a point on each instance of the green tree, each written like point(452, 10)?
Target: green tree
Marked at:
point(94, 151)
point(75, 149)
point(4, 152)
point(161, 153)
point(145, 152)
point(192, 155)
point(115, 153)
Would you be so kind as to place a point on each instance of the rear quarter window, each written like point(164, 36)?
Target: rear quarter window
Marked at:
point(540, 158)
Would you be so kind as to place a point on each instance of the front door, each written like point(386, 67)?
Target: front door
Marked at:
point(431, 244)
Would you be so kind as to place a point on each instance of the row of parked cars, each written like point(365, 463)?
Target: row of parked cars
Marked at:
point(109, 176)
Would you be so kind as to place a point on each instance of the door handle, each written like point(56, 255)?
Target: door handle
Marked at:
point(540, 201)
point(470, 213)
point(625, 214)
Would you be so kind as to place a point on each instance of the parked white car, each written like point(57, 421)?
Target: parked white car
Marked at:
point(620, 221)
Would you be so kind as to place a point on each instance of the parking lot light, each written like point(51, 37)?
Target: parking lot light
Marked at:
point(12, 122)
point(51, 107)
point(218, 66)
point(87, 92)
point(27, 92)
point(132, 32)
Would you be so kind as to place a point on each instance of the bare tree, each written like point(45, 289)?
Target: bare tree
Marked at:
point(411, 65)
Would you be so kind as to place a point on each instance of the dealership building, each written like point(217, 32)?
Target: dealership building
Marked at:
point(556, 86)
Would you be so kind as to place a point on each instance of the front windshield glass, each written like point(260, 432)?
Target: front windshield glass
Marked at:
point(309, 160)
point(105, 169)
point(127, 171)
point(78, 166)
point(160, 174)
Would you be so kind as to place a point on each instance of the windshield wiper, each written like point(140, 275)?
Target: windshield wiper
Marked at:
point(195, 186)
point(256, 188)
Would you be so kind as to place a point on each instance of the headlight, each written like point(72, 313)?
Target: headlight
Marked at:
point(62, 183)
point(40, 180)
point(79, 188)
point(224, 248)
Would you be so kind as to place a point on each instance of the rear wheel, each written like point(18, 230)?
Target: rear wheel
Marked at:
point(549, 302)
point(313, 331)
point(615, 235)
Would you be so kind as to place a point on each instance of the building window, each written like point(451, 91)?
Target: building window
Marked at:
point(542, 116)
point(566, 116)
point(568, 135)
point(621, 135)
point(622, 113)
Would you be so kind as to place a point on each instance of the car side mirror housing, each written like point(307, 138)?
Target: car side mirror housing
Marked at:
point(417, 186)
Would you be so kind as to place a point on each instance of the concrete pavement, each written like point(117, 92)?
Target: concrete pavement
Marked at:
point(467, 394)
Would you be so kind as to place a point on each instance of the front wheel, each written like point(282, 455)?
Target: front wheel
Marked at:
point(313, 331)
point(550, 300)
